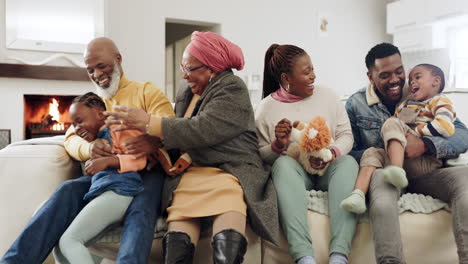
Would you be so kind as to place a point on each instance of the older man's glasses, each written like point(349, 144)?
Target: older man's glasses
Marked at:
point(187, 70)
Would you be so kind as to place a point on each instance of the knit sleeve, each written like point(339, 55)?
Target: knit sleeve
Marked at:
point(130, 163)
point(156, 103)
point(343, 133)
point(265, 140)
point(399, 108)
point(444, 116)
point(78, 148)
point(127, 162)
point(225, 115)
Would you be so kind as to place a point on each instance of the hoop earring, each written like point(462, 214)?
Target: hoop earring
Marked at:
point(211, 77)
point(287, 88)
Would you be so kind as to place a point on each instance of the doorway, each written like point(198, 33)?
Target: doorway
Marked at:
point(178, 34)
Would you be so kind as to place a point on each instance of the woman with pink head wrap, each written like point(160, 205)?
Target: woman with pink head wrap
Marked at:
point(216, 52)
point(207, 55)
point(215, 125)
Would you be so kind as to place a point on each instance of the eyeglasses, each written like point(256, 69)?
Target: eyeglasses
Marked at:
point(187, 70)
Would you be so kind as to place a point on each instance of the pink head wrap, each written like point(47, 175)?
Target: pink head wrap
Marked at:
point(215, 51)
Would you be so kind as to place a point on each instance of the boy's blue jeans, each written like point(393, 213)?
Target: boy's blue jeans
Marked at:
point(46, 227)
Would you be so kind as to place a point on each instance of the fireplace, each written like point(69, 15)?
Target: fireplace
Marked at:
point(46, 115)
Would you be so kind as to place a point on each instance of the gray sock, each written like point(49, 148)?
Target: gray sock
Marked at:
point(338, 258)
point(306, 260)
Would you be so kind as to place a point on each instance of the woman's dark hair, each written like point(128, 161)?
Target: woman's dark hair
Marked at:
point(435, 71)
point(90, 100)
point(278, 59)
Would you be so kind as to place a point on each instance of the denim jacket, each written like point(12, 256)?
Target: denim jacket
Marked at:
point(367, 114)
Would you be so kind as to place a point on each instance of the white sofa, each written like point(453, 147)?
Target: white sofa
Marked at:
point(30, 172)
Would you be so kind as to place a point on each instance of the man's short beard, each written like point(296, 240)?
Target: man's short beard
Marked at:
point(110, 91)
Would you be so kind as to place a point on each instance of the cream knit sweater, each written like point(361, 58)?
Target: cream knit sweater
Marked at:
point(322, 103)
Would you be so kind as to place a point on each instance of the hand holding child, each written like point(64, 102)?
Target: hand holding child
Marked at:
point(100, 148)
point(142, 145)
point(415, 146)
point(128, 118)
point(93, 166)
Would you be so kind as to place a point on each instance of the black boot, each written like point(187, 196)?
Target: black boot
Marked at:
point(229, 247)
point(177, 248)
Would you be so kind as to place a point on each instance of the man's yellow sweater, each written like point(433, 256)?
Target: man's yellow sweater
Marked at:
point(133, 94)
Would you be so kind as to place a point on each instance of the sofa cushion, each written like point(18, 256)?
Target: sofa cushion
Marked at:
point(419, 244)
point(56, 140)
point(318, 202)
point(29, 176)
point(418, 214)
point(416, 203)
point(203, 252)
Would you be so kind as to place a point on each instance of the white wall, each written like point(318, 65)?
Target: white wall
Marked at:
point(138, 28)
point(459, 100)
point(30, 56)
point(338, 56)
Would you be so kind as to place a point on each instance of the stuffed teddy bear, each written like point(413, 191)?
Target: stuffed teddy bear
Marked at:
point(181, 164)
point(311, 141)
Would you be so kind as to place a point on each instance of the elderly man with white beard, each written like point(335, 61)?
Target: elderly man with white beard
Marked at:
point(104, 65)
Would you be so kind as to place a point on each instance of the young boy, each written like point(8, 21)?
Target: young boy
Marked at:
point(426, 112)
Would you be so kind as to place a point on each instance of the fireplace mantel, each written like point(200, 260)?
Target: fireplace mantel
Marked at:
point(43, 72)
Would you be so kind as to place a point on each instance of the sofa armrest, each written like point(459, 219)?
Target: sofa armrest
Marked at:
point(29, 175)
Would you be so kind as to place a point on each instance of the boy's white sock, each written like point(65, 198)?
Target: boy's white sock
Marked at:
point(355, 203)
point(396, 176)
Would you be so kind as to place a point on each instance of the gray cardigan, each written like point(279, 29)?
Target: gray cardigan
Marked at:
point(221, 133)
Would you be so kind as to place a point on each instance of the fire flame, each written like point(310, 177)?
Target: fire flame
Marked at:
point(54, 112)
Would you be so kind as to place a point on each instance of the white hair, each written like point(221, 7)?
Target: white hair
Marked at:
point(110, 91)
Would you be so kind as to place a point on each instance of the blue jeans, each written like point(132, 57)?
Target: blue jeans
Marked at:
point(140, 219)
point(46, 227)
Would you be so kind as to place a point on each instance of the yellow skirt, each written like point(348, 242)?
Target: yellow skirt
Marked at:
point(206, 191)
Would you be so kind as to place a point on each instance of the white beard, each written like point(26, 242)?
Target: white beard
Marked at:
point(110, 91)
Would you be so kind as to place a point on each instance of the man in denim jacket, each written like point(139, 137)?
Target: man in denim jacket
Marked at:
point(367, 109)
